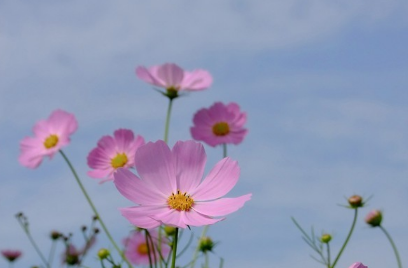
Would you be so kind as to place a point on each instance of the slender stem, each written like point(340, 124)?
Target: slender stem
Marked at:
point(207, 260)
point(37, 249)
point(224, 151)
point(149, 251)
point(52, 252)
point(94, 209)
point(347, 239)
point(167, 126)
point(393, 246)
point(173, 261)
point(328, 255)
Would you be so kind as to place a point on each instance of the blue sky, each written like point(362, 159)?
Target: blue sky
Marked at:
point(324, 84)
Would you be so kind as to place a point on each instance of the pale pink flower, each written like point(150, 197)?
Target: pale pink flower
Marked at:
point(170, 191)
point(173, 78)
point(137, 251)
point(358, 265)
point(219, 124)
point(50, 136)
point(112, 153)
point(11, 255)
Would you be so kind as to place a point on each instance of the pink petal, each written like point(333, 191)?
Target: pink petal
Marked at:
point(202, 117)
point(196, 80)
point(32, 152)
point(171, 74)
point(189, 160)
point(149, 76)
point(41, 129)
point(140, 216)
point(358, 265)
point(221, 179)
point(97, 159)
point(136, 190)
point(100, 173)
point(221, 207)
point(205, 134)
point(107, 146)
point(193, 218)
point(123, 138)
point(154, 163)
point(62, 122)
point(171, 217)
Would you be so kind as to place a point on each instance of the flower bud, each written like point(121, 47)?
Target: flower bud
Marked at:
point(326, 238)
point(103, 253)
point(356, 201)
point(55, 235)
point(169, 230)
point(374, 218)
point(206, 244)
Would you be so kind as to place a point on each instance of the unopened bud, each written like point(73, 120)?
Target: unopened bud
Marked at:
point(96, 230)
point(103, 253)
point(169, 230)
point(55, 235)
point(206, 244)
point(326, 238)
point(374, 218)
point(356, 201)
point(83, 228)
point(72, 259)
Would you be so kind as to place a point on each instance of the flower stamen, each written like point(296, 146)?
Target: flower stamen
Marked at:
point(180, 201)
point(142, 249)
point(51, 141)
point(221, 129)
point(119, 160)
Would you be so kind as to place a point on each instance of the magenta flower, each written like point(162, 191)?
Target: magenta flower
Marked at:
point(112, 153)
point(137, 251)
point(50, 136)
point(219, 124)
point(170, 191)
point(171, 77)
point(11, 255)
point(358, 265)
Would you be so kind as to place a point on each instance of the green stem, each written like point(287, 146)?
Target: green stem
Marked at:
point(347, 239)
point(167, 126)
point(224, 147)
point(149, 251)
point(37, 249)
point(173, 261)
point(207, 260)
point(52, 252)
point(328, 255)
point(393, 246)
point(94, 209)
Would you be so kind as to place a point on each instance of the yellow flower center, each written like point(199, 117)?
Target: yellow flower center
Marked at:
point(221, 129)
point(51, 141)
point(142, 249)
point(180, 201)
point(119, 160)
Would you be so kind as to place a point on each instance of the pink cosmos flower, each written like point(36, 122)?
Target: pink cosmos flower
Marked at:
point(50, 136)
point(171, 77)
point(170, 191)
point(112, 153)
point(11, 255)
point(137, 252)
point(219, 124)
point(358, 265)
